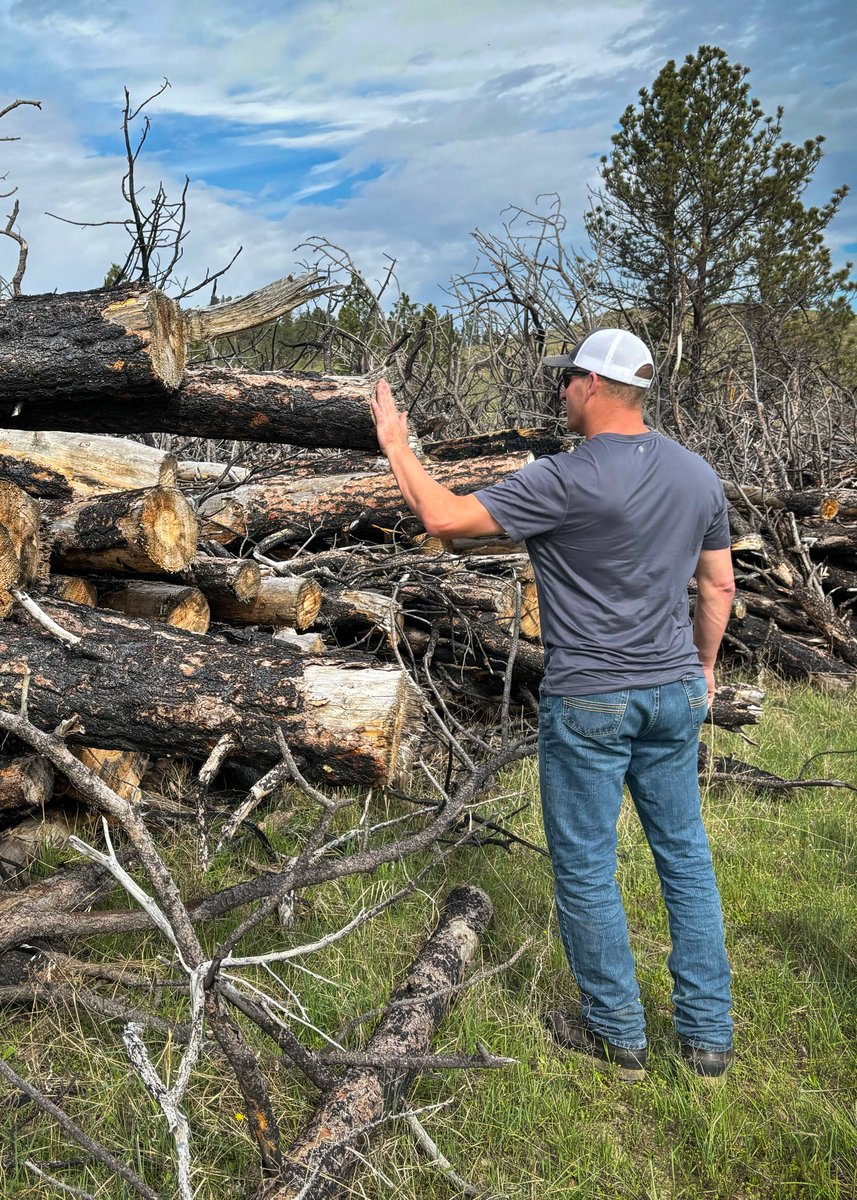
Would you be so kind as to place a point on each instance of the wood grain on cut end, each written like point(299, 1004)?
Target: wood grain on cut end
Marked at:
point(73, 589)
point(157, 320)
point(20, 516)
point(372, 712)
point(169, 528)
point(121, 770)
point(222, 519)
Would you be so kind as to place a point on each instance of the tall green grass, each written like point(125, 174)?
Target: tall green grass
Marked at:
point(554, 1126)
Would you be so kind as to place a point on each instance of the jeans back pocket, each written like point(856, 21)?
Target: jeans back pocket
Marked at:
point(696, 689)
point(595, 716)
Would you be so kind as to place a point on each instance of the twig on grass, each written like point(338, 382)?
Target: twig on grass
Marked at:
point(74, 1131)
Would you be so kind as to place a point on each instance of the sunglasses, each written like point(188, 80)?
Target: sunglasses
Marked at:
point(570, 373)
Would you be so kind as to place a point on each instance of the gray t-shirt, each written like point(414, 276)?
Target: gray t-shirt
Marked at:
point(614, 532)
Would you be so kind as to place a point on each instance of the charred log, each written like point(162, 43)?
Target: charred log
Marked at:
point(147, 532)
point(318, 1163)
point(139, 686)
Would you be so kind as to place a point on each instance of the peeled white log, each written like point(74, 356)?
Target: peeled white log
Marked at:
point(63, 465)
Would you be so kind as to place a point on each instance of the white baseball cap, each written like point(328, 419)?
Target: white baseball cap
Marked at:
point(614, 353)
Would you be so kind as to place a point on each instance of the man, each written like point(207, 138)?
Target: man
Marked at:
point(614, 532)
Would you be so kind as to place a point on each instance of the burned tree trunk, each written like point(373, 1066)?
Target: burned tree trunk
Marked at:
point(318, 1164)
point(59, 466)
point(114, 394)
point(147, 532)
point(327, 503)
point(224, 578)
point(790, 655)
point(63, 355)
point(139, 686)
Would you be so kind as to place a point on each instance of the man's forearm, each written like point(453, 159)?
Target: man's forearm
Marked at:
point(424, 496)
point(710, 619)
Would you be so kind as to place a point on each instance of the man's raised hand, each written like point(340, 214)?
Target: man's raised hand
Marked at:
point(391, 426)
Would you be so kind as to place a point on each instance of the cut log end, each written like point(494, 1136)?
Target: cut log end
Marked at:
point(371, 715)
point(181, 607)
point(169, 529)
point(158, 322)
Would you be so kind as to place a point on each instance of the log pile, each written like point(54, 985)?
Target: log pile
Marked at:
point(303, 576)
point(286, 615)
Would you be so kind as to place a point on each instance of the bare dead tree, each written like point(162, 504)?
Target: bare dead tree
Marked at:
point(156, 228)
point(9, 230)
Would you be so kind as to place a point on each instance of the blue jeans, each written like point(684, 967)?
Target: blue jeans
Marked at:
point(588, 747)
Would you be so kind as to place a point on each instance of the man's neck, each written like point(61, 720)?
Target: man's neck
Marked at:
point(628, 425)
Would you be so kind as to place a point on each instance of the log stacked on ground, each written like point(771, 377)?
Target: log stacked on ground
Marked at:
point(139, 686)
point(149, 532)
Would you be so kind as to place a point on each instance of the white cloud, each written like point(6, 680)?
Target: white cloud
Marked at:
point(458, 109)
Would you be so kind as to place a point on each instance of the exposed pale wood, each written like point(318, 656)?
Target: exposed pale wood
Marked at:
point(120, 769)
point(748, 543)
point(62, 355)
point(10, 569)
point(140, 686)
point(174, 604)
point(319, 1162)
point(193, 471)
point(257, 308)
point(146, 532)
point(20, 516)
point(74, 589)
point(361, 607)
point(292, 600)
point(301, 643)
point(224, 578)
point(63, 465)
point(222, 519)
point(25, 783)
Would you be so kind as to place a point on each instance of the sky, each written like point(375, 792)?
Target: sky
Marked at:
point(392, 129)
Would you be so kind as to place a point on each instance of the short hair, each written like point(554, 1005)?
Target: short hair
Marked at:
point(627, 393)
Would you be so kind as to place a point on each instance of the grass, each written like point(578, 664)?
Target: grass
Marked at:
point(554, 1127)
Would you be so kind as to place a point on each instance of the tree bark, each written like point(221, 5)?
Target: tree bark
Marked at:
point(147, 532)
point(179, 606)
point(835, 502)
point(114, 396)
point(138, 686)
point(60, 466)
point(326, 504)
point(319, 1162)
point(292, 600)
point(791, 656)
point(224, 578)
point(537, 442)
point(63, 356)
point(25, 783)
point(21, 517)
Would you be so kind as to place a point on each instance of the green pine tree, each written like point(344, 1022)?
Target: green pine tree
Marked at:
point(700, 205)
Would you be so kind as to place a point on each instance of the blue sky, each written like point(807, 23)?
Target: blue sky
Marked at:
point(391, 128)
